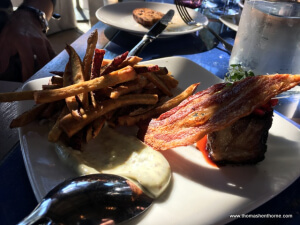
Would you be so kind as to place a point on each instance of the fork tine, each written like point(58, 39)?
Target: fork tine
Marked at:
point(183, 12)
point(186, 13)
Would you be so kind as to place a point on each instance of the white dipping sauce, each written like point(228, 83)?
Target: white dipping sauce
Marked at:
point(114, 153)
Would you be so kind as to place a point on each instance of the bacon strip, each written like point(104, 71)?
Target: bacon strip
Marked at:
point(213, 109)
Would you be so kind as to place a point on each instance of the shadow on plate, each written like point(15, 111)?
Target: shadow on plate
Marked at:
point(249, 181)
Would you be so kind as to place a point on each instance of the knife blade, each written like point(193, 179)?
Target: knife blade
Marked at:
point(153, 33)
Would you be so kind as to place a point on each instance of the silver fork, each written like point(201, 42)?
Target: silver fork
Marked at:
point(184, 14)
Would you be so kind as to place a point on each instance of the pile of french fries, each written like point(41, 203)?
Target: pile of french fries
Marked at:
point(94, 90)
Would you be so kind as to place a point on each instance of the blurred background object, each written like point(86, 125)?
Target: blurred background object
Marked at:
point(268, 30)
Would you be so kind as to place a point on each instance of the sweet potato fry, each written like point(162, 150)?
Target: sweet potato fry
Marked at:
point(71, 126)
point(50, 86)
point(94, 128)
point(142, 110)
point(132, 120)
point(151, 68)
point(97, 63)
point(75, 65)
point(28, 116)
point(130, 61)
point(168, 80)
point(162, 71)
point(55, 131)
point(114, 78)
point(113, 65)
point(77, 74)
point(16, 96)
point(88, 61)
point(88, 57)
point(128, 87)
point(154, 79)
point(57, 80)
point(71, 101)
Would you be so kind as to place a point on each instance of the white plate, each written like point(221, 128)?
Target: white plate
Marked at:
point(231, 21)
point(120, 16)
point(199, 193)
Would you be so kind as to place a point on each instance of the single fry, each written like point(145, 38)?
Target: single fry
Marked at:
point(57, 80)
point(88, 60)
point(130, 86)
point(75, 65)
point(168, 80)
point(88, 57)
point(72, 126)
point(146, 68)
point(28, 116)
point(114, 78)
point(155, 80)
point(151, 68)
point(142, 110)
point(16, 96)
point(77, 74)
point(132, 120)
point(71, 101)
point(114, 64)
point(50, 86)
point(130, 61)
point(94, 128)
point(97, 62)
point(162, 71)
point(55, 131)
point(95, 70)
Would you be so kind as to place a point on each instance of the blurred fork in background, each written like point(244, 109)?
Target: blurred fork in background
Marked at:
point(185, 16)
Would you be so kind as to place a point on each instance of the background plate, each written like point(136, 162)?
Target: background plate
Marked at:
point(120, 16)
point(198, 193)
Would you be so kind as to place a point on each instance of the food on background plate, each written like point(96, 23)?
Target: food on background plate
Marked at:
point(146, 17)
point(214, 109)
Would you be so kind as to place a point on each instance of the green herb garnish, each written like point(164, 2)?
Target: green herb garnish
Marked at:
point(236, 72)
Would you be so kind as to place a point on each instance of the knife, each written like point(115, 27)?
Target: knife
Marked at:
point(153, 33)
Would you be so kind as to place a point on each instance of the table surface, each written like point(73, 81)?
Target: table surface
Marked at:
point(16, 196)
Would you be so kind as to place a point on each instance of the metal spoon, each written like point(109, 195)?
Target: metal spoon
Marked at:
point(91, 199)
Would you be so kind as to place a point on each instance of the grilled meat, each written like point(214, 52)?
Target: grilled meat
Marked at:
point(244, 142)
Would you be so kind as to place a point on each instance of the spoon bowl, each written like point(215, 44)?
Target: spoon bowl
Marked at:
point(91, 199)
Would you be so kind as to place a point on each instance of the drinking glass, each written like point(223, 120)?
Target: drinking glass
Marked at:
point(268, 37)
